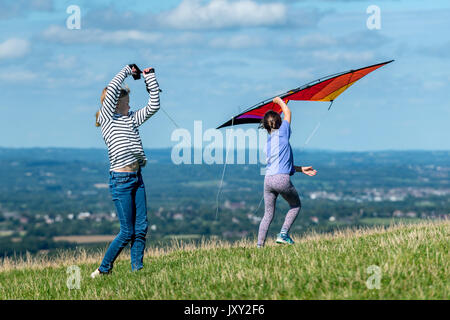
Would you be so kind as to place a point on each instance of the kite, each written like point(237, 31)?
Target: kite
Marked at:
point(324, 89)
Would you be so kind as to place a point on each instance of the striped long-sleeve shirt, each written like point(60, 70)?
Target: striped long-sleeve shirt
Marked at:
point(120, 132)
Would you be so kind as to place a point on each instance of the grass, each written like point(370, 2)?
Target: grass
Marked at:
point(388, 221)
point(413, 260)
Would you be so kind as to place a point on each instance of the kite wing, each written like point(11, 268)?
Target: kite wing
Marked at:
point(324, 89)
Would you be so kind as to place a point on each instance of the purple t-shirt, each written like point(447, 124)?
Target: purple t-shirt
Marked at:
point(279, 152)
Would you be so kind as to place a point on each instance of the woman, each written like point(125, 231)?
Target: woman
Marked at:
point(120, 132)
point(280, 166)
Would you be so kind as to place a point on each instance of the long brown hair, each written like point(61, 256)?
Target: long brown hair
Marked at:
point(123, 93)
point(271, 121)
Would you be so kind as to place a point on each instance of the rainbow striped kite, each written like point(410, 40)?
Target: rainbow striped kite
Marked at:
point(324, 89)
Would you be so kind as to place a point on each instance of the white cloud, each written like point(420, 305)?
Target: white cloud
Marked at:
point(299, 74)
point(333, 56)
point(17, 76)
point(432, 85)
point(133, 38)
point(64, 35)
point(239, 41)
point(17, 8)
point(191, 14)
point(315, 40)
point(62, 61)
point(14, 48)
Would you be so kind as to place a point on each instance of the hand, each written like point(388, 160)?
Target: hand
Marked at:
point(148, 70)
point(284, 108)
point(306, 170)
point(277, 100)
point(135, 71)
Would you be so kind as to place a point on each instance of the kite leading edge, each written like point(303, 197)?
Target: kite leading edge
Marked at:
point(323, 89)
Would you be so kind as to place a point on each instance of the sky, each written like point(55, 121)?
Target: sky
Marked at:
point(215, 58)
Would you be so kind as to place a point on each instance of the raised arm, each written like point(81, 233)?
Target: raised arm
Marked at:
point(284, 108)
point(112, 94)
point(152, 106)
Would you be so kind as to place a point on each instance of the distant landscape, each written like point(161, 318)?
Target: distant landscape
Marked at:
point(57, 198)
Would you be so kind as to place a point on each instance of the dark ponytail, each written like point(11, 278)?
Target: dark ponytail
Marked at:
point(271, 121)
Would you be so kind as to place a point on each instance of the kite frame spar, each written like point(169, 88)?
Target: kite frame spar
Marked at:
point(235, 120)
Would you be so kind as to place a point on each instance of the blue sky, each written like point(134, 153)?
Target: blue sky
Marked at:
point(215, 58)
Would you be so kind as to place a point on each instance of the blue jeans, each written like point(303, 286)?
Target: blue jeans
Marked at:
point(128, 193)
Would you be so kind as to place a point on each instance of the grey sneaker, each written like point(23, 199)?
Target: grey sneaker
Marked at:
point(284, 238)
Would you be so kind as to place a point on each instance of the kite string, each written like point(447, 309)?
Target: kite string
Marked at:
point(259, 205)
point(322, 117)
point(171, 119)
point(223, 175)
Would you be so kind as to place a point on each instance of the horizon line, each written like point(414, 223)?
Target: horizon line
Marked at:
point(293, 148)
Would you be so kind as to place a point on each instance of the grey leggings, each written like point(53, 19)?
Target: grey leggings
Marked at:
point(273, 186)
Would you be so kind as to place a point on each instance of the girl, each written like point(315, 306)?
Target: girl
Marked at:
point(120, 132)
point(280, 166)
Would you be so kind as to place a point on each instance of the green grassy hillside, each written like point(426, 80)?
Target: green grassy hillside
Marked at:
point(410, 262)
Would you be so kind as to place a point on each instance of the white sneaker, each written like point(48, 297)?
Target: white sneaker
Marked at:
point(95, 274)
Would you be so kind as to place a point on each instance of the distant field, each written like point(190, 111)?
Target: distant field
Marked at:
point(82, 239)
point(397, 262)
point(201, 184)
point(183, 236)
point(85, 239)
